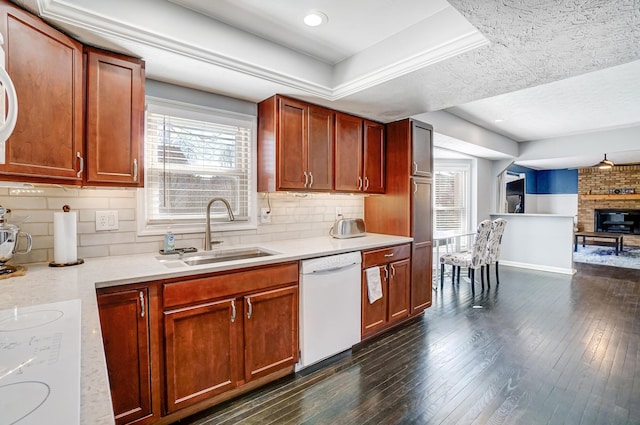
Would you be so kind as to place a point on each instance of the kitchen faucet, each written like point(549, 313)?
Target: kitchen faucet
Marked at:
point(207, 232)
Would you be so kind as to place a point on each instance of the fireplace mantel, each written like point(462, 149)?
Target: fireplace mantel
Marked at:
point(612, 197)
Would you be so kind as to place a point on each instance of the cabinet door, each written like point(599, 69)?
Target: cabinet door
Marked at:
point(320, 149)
point(292, 144)
point(115, 119)
point(271, 331)
point(46, 68)
point(124, 320)
point(374, 315)
point(421, 135)
point(348, 162)
point(421, 228)
point(399, 289)
point(200, 352)
point(373, 157)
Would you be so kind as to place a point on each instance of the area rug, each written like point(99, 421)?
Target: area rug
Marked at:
point(592, 254)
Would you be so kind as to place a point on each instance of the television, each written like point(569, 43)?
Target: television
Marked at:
point(515, 196)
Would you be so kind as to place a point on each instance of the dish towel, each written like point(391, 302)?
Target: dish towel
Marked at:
point(374, 284)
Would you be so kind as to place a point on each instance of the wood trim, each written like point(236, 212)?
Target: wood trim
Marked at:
point(612, 197)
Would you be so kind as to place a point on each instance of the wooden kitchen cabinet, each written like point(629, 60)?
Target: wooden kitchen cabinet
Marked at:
point(271, 331)
point(47, 70)
point(115, 119)
point(202, 335)
point(359, 162)
point(125, 321)
point(421, 149)
point(394, 264)
point(237, 327)
point(295, 145)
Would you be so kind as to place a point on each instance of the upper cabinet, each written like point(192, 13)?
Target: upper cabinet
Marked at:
point(115, 119)
point(359, 155)
point(56, 91)
point(421, 146)
point(295, 146)
point(46, 68)
point(310, 148)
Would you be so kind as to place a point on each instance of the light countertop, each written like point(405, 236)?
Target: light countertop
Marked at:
point(43, 284)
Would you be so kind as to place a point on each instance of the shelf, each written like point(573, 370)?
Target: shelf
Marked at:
point(620, 197)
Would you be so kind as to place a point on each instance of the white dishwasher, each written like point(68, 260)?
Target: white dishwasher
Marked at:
point(329, 306)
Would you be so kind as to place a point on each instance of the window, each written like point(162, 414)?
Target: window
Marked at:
point(451, 209)
point(193, 154)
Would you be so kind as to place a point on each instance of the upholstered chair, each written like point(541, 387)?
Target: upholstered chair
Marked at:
point(493, 245)
point(472, 260)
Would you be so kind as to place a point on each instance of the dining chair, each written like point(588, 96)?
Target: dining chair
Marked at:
point(493, 246)
point(472, 260)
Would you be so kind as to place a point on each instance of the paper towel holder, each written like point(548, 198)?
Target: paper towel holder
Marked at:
point(66, 209)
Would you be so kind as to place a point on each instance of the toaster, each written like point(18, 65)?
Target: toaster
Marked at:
point(348, 228)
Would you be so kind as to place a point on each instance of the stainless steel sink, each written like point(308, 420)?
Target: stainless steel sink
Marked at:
point(219, 256)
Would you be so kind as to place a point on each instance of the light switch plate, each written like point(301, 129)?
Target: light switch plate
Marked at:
point(106, 220)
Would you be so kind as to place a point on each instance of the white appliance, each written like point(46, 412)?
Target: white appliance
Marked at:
point(8, 123)
point(330, 315)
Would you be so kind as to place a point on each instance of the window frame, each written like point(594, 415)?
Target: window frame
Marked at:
point(204, 113)
point(457, 165)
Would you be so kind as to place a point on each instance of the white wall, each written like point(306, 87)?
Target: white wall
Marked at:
point(485, 188)
point(565, 204)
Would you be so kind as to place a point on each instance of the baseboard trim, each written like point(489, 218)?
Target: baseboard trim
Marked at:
point(561, 270)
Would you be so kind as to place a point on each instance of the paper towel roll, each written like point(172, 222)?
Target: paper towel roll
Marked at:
point(65, 241)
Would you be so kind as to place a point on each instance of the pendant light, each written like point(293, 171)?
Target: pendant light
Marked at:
point(605, 163)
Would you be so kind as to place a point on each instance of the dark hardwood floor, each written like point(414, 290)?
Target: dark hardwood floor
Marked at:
point(540, 348)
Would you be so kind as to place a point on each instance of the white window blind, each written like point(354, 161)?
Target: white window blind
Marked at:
point(451, 210)
point(192, 155)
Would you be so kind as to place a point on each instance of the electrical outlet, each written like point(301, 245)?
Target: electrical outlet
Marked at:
point(106, 220)
point(265, 216)
point(338, 213)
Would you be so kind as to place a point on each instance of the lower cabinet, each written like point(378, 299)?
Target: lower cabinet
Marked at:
point(124, 318)
point(207, 336)
point(394, 264)
point(200, 352)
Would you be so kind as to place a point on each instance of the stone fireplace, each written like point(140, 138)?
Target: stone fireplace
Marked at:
point(600, 207)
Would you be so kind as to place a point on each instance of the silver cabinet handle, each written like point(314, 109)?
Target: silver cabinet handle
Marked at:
point(79, 173)
point(233, 311)
point(366, 183)
point(389, 255)
point(386, 273)
point(415, 167)
point(306, 179)
point(359, 183)
point(135, 169)
point(393, 271)
point(250, 311)
point(311, 177)
point(415, 187)
point(141, 304)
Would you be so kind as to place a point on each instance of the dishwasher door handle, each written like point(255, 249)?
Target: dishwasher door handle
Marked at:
point(333, 269)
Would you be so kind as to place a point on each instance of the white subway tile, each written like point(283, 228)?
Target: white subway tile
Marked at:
point(56, 204)
point(93, 251)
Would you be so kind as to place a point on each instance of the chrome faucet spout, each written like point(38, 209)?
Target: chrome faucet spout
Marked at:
point(207, 232)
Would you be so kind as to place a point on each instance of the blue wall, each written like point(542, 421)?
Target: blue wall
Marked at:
point(548, 182)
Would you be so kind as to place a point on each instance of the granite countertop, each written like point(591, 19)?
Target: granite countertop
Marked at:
point(43, 284)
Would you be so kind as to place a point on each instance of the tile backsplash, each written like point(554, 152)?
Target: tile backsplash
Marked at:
point(292, 216)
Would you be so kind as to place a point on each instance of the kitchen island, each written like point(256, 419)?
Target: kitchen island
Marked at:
point(43, 284)
point(538, 241)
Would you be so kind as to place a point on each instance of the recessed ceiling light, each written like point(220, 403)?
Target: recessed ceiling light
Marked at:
point(315, 18)
point(499, 120)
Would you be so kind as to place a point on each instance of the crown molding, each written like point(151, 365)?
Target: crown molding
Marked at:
point(67, 13)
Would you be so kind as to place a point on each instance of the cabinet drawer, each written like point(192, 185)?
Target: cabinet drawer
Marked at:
point(228, 284)
point(385, 255)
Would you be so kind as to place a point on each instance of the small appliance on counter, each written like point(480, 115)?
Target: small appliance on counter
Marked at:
point(9, 234)
point(348, 228)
